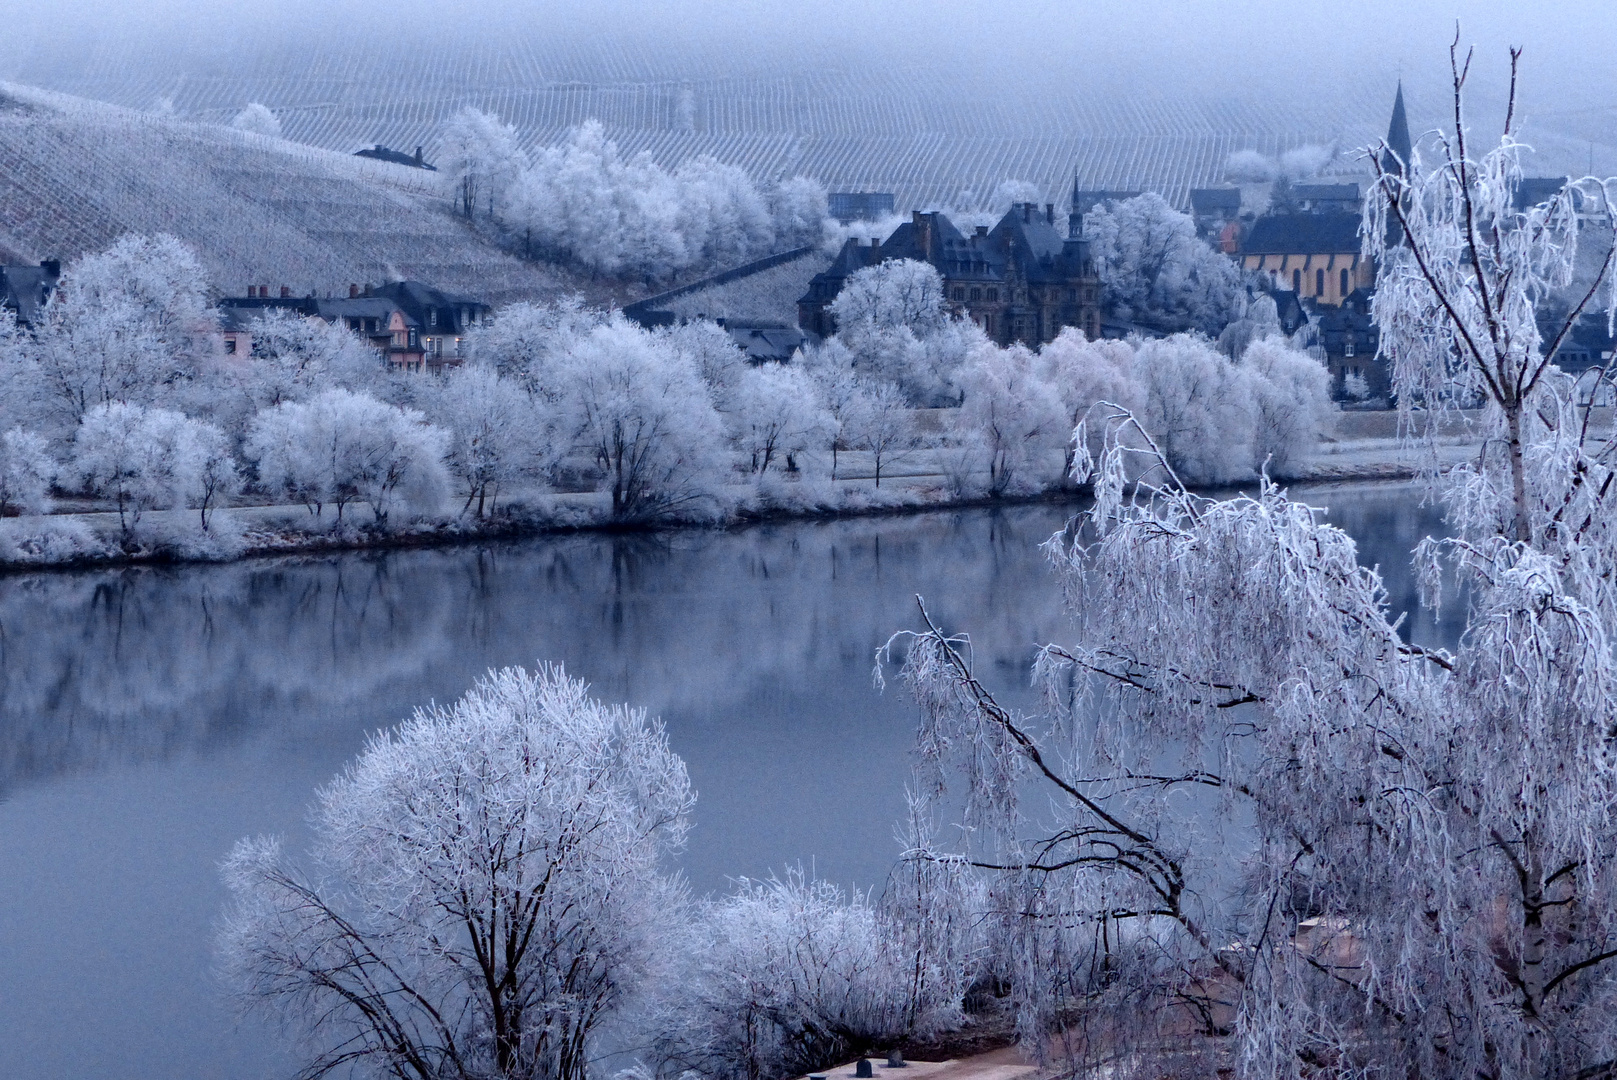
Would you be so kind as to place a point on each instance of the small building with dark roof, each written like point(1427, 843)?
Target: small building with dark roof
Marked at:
point(851, 206)
point(1326, 198)
point(1021, 281)
point(414, 326)
point(395, 157)
point(24, 290)
point(1214, 208)
point(1314, 255)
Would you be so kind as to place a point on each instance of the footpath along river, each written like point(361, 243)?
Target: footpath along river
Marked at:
point(150, 717)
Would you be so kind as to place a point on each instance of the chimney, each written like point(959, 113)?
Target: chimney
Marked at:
point(286, 291)
point(1050, 213)
point(353, 290)
point(52, 267)
point(982, 230)
point(923, 232)
point(263, 290)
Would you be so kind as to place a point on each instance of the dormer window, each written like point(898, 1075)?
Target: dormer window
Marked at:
point(432, 317)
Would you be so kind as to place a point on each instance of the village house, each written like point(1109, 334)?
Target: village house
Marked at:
point(414, 326)
point(1021, 281)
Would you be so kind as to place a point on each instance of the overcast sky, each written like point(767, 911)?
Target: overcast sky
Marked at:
point(1205, 40)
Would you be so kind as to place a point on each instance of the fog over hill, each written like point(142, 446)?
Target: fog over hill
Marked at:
point(939, 103)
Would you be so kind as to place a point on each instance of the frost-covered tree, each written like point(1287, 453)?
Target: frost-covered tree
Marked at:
point(1083, 374)
point(640, 410)
point(257, 119)
point(498, 433)
point(293, 358)
point(1155, 269)
point(129, 324)
point(1018, 418)
point(799, 209)
point(882, 423)
point(486, 888)
point(150, 459)
point(721, 362)
point(527, 340)
point(830, 365)
point(1197, 406)
point(1291, 404)
point(892, 319)
point(340, 447)
point(26, 471)
point(776, 414)
point(480, 157)
point(1357, 854)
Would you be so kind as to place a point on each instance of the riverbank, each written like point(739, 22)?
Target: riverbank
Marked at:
point(81, 534)
point(1363, 446)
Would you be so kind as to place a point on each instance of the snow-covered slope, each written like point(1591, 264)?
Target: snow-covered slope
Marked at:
point(76, 175)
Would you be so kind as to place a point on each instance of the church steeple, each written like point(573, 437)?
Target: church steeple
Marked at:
point(1075, 217)
point(1395, 159)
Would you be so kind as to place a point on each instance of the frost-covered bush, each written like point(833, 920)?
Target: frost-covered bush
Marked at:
point(26, 471)
point(1084, 373)
point(258, 119)
point(527, 340)
point(485, 888)
point(784, 977)
point(340, 447)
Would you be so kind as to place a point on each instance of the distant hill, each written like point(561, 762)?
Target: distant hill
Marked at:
point(921, 126)
point(76, 175)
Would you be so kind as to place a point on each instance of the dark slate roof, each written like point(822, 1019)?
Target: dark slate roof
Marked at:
point(1326, 192)
point(1215, 200)
point(1303, 234)
point(238, 312)
point(1037, 245)
point(382, 153)
point(24, 289)
point(766, 343)
point(416, 300)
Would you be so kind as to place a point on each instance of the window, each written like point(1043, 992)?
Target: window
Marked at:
point(230, 346)
point(1347, 349)
point(993, 294)
point(432, 317)
point(1343, 289)
point(1072, 296)
point(1319, 283)
point(1296, 281)
point(976, 294)
point(959, 293)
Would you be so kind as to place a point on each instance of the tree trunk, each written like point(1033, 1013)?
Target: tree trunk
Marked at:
point(1518, 473)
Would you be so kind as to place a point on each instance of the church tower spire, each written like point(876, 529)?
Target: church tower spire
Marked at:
point(1395, 159)
point(1075, 217)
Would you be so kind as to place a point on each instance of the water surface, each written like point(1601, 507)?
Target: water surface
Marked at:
point(150, 717)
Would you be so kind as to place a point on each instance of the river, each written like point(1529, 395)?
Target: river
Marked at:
point(150, 717)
